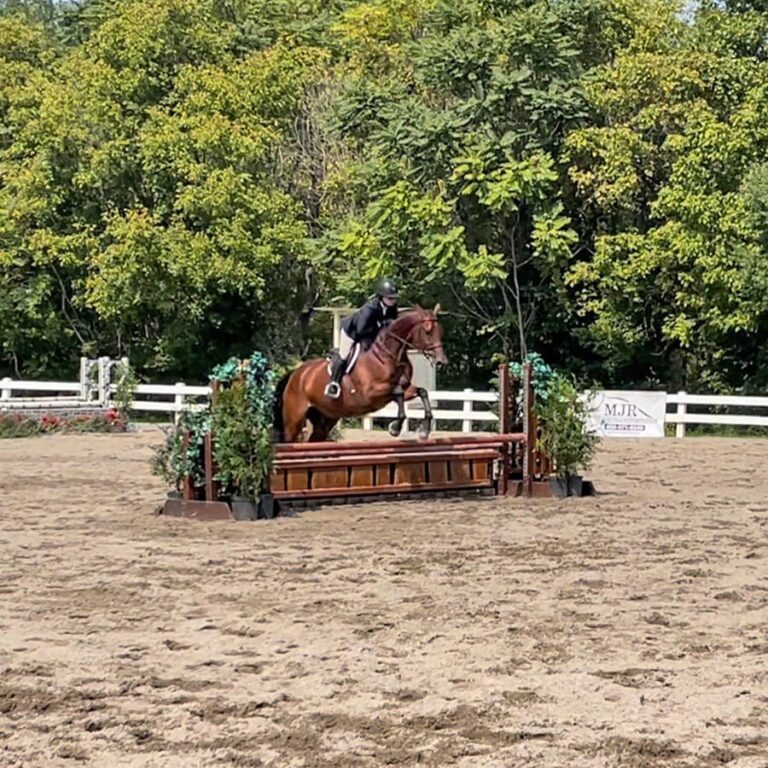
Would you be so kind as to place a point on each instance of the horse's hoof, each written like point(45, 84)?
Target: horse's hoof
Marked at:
point(424, 431)
point(395, 428)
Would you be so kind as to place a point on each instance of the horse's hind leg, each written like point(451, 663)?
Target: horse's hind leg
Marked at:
point(321, 426)
point(294, 421)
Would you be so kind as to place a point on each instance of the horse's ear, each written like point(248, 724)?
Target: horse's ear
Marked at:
point(418, 308)
point(436, 310)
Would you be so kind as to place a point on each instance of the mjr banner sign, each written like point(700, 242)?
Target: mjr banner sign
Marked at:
point(617, 413)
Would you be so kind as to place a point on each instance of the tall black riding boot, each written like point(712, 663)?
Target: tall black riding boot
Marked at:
point(333, 390)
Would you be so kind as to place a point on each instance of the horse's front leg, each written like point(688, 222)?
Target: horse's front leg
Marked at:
point(426, 425)
point(396, 426)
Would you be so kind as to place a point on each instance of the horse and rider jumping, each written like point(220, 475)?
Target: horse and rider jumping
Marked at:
point(382, 372)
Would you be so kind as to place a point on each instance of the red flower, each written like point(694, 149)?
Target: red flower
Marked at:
point(49, 422)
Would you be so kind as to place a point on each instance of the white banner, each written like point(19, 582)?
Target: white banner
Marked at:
point(618, 413)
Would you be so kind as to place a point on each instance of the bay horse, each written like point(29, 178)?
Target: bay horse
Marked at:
point(382, 374)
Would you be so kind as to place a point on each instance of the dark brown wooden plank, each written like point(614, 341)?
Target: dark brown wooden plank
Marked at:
point(210, 491)
point(411, 473)
point(330, 478)
point(505, 426)
point(296, 479)
point(383, 490)
point(461, 472)
point(197, 510)
point(383, 474)
point(277, 481)
point(481, 470)
point(187, 488)
point(438, 471)
point(361, 476)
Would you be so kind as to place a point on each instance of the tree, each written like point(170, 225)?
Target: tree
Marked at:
point(674, 283)
point(459, 164)
point(139, 208)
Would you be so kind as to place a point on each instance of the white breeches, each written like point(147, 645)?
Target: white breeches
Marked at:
point(346, 343)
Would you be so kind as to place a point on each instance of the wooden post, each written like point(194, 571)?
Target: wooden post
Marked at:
point(529, 428)
point(210, 490)
point(504, 400)
point(504, 395)
point(5, 388)
point(187, 489)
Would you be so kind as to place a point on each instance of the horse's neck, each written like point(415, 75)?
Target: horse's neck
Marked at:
point(392, 345)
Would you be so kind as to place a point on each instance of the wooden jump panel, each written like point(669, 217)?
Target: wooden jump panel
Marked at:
point(284, 450)
point(379, 490)
point(309, 473)
point(317, 470)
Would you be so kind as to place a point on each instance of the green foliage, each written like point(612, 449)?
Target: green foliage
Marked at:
point(179, 179)
point(242, 424)
point(243, 448)
point(542, 375)
point(564, 436)
point(174, 460)
point(241, 421)
point(562, 415)
point(126, 382)
point(163, 458)
point(139, 199)
point(677, 279)
point(16, 425)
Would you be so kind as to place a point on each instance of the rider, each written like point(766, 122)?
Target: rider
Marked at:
point(362, 327)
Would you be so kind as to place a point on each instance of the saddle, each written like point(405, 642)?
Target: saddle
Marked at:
point(351, 360)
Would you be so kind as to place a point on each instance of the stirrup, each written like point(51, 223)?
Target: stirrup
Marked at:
point(333, 390)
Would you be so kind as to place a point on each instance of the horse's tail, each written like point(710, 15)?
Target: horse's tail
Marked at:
point(278, 423)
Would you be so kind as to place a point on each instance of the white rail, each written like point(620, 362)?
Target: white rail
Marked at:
point(455, 407)
point(681, 417)
point(467, 414)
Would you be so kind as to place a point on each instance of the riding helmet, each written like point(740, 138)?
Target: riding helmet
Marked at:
point(386, 288)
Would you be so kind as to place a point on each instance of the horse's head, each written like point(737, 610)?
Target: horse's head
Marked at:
point(426, 335)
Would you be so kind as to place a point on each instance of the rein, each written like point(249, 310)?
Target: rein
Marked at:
point(403, 345)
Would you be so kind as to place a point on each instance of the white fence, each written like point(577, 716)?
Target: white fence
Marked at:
point(96, 388)
point(180, 397)
point(465, 410)
point(453, 407)
point(681, 417)
point(92, 389)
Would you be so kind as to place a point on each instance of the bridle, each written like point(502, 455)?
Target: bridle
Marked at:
point(404, 345)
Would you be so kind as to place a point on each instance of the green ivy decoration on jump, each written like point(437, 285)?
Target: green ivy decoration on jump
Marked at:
point(241, 420)
point(242, 424)
point(562, 415)
point(189, 462)
point(543, 375)
point(171, 462)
